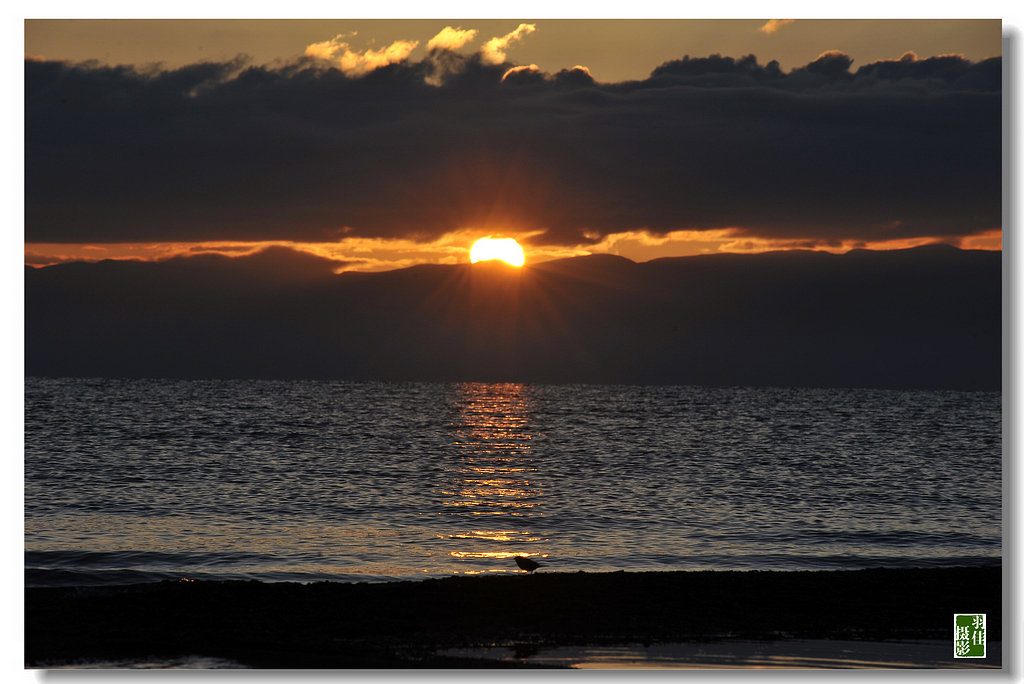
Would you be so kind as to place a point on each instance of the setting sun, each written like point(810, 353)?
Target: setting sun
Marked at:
point(506, 249)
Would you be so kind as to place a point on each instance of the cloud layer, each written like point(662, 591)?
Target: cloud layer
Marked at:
point(383, 146)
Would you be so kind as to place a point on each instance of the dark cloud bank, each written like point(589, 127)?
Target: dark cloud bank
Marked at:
point(825, 152)
point(922, 318)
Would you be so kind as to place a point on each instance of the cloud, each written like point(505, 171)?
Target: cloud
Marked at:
point(774, 25)
point(718, 70)
point(493, 51)
point(451, 38)
point(576, 77)
point(327, 49)
point(947, 71)
point(36, 259)
point(522, 73)
point(353, 62)
point(309, 152)
point(832, 63)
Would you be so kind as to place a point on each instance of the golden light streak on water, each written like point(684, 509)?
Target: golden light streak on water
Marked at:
point(494, 474)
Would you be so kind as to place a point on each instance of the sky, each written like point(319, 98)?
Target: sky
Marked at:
point(613, 50)
point(385, 143)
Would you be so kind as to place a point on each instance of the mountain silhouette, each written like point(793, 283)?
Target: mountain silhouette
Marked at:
point(928, 317)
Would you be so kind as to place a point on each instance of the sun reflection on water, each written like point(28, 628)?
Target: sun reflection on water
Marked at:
point(494, 478)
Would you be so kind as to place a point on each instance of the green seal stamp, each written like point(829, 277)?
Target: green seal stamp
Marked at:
point(969, 635)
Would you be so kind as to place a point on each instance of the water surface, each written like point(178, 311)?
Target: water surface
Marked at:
point(136, 480)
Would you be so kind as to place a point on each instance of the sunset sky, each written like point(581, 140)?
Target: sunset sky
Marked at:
point(386, 143)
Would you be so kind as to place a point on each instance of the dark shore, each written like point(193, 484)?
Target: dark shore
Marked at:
point(403, 624)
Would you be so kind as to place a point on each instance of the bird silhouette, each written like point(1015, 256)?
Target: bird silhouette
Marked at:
point(527, 564)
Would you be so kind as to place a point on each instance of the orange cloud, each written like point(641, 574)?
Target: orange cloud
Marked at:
point(451, 38)
point(493, 51)
point(774, 25)
point(360, 254)
point(356, 63)
point(377, 254)
point(328, 48)
point(533, 68)
point(640, 245)
point(992, 239)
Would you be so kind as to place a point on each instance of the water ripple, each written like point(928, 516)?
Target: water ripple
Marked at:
point(131, 480)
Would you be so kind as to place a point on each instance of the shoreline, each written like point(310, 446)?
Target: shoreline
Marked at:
point(414, 624)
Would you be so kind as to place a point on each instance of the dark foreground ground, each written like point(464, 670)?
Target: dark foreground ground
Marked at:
point(403, 624)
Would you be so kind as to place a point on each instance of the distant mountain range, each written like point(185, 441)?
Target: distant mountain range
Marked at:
point(929, 317)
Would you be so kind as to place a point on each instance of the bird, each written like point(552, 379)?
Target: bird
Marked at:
point(527, 564)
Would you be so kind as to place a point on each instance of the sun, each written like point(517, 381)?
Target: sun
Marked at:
point(506, 249)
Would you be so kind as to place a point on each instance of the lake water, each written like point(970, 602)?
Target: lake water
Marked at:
point(141, 480)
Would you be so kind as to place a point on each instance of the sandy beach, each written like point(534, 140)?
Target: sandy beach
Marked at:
point(444, 623)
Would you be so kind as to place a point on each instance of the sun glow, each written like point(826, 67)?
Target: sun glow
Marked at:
point(506, 249)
